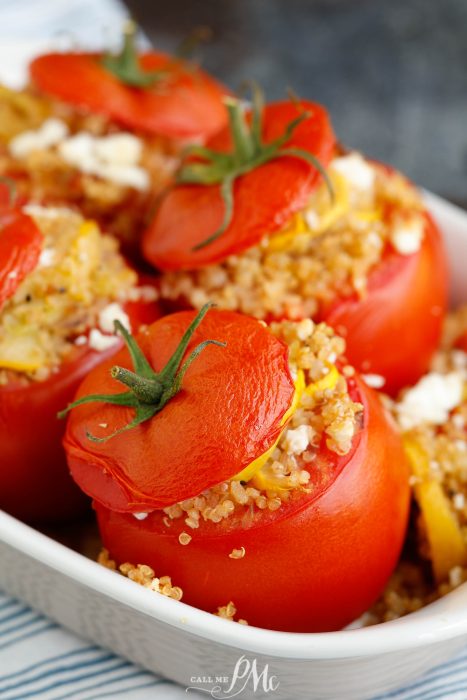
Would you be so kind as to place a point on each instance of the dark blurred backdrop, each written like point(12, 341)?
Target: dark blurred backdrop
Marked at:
point(392, 73)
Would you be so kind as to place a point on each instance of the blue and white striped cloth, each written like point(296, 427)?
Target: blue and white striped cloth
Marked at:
point(41, 661)
point(38, 659)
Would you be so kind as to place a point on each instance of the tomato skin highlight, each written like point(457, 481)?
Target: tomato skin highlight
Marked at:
point(314, 565)
point(227, 414)
point(35, 484)
point(395, 329)
point(188, 106)
point(20, 248)
point(264, 199)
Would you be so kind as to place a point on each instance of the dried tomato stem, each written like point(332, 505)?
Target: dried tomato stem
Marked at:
point(249, 152)
point(146, 390)
point(126, 65)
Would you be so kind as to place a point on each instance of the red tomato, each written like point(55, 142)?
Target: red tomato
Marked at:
point(227, 414)
point(461, 342)
point(20, 247)
point(395, 329)
point(315, 564)
point(35, 484)
point(187, 105)
point(264, 199)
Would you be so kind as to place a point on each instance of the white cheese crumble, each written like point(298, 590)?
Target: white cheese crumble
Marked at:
point(113, 312)
point(100, 342)
point(40, 212)
point(459, 501)
point(49, 134)
point(407, 237)
point(376, 381)
point(114, 157)
point(119, 149)
point(355, 170)
point(140, 516)
point(312, 219)
point(431, 400)
point(297, 440)
point(46, 258)
point(81, 340)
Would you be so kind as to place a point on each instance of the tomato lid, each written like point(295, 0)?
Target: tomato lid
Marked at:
point(227, 413)
point(265, 197)
point(20, 245)
point(150, 92)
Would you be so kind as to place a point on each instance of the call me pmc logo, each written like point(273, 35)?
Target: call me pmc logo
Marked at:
point(247, 675)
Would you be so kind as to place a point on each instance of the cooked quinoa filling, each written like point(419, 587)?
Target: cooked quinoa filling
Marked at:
point(58, 154)
point(327, 250)
point(324, 411)
point(145, 576)
point(70, 299)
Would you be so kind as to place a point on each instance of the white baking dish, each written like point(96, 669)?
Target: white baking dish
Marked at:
point(191, 646)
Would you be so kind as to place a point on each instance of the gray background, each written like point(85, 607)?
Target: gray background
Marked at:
point(392, 73)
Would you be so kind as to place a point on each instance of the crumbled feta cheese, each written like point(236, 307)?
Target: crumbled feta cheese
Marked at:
point(39, 211)
point(119, 149)
point(100, 342)
point(50, 133)
point(46, 258)
point(140, 516)
point(312, 219)
point(296, 441)
point(78, 151)
point(430, 400)
point(407, 236)
point(355, 170)
point(81, 340)
point(113, 312)
point(459, 501)
point(114, 157)
point(376, 381)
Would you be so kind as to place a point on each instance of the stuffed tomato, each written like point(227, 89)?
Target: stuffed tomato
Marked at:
point(61, 284)
point(249, 463)
point(275, 220)
point(83, 134)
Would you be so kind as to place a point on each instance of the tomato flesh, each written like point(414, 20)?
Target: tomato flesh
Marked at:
point(396, 328)
point(314, 565)
point(20, 248)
